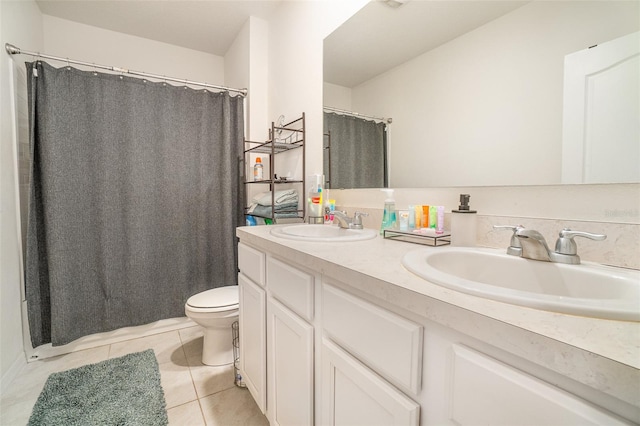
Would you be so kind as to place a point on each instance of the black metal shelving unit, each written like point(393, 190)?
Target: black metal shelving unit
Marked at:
point(272, 147)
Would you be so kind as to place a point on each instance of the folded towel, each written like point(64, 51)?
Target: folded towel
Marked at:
point(281, 211)
point(285, 196)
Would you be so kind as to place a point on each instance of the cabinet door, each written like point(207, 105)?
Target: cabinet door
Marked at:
point(354, 395)
point(253, 349)
point(485, 391)
point(290, 370)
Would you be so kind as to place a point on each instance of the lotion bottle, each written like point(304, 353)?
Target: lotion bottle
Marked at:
point(463, 224)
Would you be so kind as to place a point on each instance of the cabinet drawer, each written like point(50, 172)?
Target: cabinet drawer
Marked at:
point(486, 391)
point(251, 263)
point(291, 286)
point(393, 349)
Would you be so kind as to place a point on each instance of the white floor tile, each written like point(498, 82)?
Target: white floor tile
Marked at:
point(234, 406)
point(209, 380)
point(192, 339)
point(188, 414)
point(177, 384)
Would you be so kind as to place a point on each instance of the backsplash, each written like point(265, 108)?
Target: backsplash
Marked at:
point(621, 248)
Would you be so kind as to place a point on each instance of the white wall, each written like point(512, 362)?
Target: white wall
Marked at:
point(246, 67)
point(20, 25)
point(337, 97)
point(486, 108)
point(91, 44)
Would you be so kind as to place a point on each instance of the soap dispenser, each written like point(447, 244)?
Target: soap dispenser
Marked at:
point(463, 224)
point(389, 214)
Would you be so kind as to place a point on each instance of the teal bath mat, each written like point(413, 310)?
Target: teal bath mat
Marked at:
point(119, 391)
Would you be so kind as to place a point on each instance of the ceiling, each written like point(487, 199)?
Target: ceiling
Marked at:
point(379, 37)
point(205, 25)
point(374, 40)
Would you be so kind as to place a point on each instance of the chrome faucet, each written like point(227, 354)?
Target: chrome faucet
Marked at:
point(346, 222)
point(533, 244)
point(535, 247)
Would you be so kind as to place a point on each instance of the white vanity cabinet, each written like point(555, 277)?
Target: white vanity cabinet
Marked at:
point(372, 348)
point(252, 321)
point(290, 344)
point(324, 344)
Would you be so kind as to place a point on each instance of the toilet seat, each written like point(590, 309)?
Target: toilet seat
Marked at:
point(219, 299)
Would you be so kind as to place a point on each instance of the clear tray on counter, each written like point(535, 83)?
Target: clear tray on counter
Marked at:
point(418, 238)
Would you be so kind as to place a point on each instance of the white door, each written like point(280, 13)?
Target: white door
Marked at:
point(601, 122)
point(253, 348)
point(354, 395)
point(290, 370)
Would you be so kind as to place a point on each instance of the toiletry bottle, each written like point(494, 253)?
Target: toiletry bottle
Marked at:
point(418, 214)
point(403, 220)
point(257, 170)
point(412, 217)
point(433, 216)
point(463, 224)
point(316, 215)
point(332, 208)
point(425, 216)
point(389, 214)
point(440, 224)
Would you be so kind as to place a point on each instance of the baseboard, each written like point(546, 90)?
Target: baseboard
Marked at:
point(107, 338)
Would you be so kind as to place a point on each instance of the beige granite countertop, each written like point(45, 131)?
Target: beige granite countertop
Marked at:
point(379, 261)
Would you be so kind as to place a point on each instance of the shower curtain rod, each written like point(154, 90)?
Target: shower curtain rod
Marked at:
point(13, 50)
point(357, 114)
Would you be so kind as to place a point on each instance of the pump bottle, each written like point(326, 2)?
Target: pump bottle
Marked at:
point(463, 224)
point(389, 214)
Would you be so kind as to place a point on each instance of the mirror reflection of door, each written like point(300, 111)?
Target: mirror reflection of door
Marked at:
point(355, 152)
point(601, 122)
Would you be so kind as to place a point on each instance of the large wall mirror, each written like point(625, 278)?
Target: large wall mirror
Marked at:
point(476, 90)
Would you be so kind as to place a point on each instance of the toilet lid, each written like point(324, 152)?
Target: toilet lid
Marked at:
point(215, 298)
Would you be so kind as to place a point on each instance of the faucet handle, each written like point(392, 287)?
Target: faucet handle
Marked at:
point(357, 219)
point(566, 245)
point(515, 248)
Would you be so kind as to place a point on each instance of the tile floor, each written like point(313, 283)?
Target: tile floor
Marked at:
point(196, 394)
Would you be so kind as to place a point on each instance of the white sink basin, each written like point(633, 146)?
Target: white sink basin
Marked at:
point(588, 289)
point(326, 233)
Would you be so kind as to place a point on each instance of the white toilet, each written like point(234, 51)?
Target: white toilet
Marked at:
point(215, 310)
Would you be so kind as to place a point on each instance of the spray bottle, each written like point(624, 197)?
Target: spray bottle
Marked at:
point(389, 215)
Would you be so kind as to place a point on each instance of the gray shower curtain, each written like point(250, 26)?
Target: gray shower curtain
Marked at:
point(358, 152)
point(134, 201)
